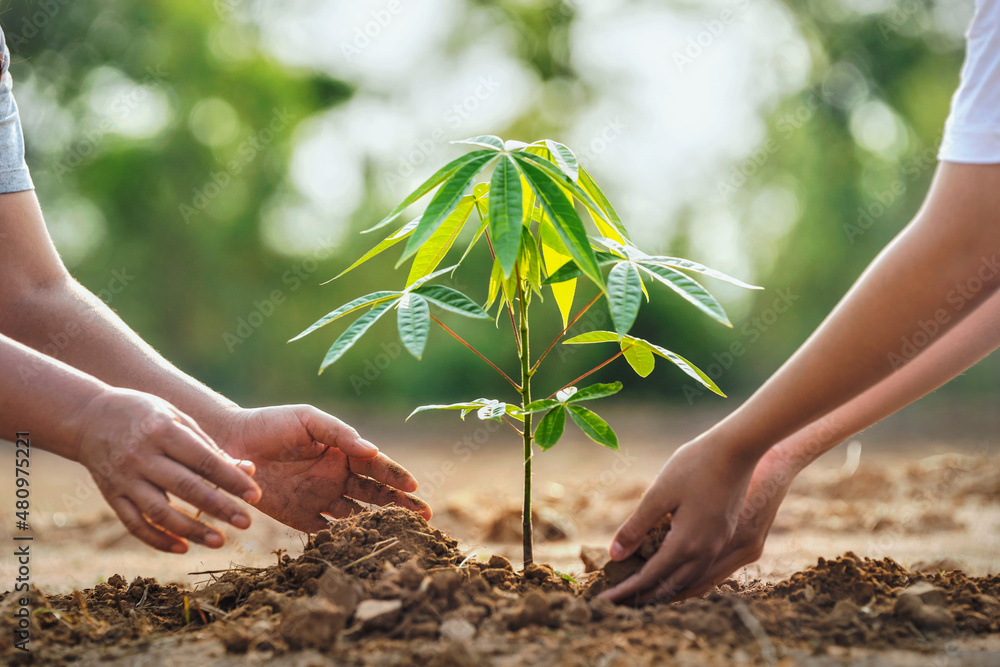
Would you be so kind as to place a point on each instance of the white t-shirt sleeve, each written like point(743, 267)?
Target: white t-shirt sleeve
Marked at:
point(972, 131)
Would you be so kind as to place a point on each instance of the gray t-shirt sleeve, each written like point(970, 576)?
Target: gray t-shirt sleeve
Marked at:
point(14, 176)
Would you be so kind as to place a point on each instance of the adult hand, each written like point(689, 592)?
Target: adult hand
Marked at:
point(139, 448)
point(703, 490)
point(770, 482)
point(310, 463)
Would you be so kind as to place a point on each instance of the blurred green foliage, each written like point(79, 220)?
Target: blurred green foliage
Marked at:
point(207, 291)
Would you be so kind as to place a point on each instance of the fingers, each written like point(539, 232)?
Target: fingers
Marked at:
point(136, 524)
point(332, 432)
point(721, 570)
point(650, 511)
point(204, 458)
point(341, 508)
point(385, 470)
point(157, 509)
point(375, 493)
point(189, 487)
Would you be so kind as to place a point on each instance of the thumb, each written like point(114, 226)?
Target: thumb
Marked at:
point(332, 432)
point(650, 511)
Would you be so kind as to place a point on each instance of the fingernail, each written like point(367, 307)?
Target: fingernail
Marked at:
point(214, 540)
point(247, 466)
point(251, 496)
point(179, 548)
point(240, 521)
point(616, 551)
point(368, 445)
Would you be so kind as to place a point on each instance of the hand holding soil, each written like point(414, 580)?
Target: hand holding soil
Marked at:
point(703, 490)
point(138, 448)
point(310, 463)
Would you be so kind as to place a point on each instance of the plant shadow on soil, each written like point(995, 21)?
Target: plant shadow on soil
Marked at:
point(384, 587)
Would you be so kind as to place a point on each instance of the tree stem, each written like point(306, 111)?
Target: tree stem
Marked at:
point(477, 353)
point(526, 372)
point(565, 329)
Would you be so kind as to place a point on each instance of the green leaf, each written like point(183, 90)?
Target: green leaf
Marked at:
point(349, 307)
point(679, 361)
point(596, 428)
point(446, 200)
point(506, 213)
point(690, 289)
point(570, 270)
point(593, 337)
point(639, 358)
point(595, 391)
point(560, 178)
point(494, 409)
point(550, 428)
point(430, 276)
point(564, 158)
point(385, 244)
point(540, 406)
point(464, 407)
point(624, 295)
point(413, 319)
point(354, 332)
point(688, 265)
point(490, 141)
point(439, 177)
point(452, 300)
point(437, 246)
point(529, 263)
point(565, 219)
point(616, 230)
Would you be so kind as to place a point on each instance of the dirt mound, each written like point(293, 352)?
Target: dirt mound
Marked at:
point(386, 588)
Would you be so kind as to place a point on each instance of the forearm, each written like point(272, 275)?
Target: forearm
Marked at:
point(913, 281)
point(43, 396)
point(967, 343)
point(66, 321)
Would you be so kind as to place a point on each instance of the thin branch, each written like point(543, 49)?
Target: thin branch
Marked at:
point(565, 329)
point(510, 308)
point(477, 353)
point(591, 371)
point(511, 424)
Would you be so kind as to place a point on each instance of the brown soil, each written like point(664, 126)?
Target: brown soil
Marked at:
point(386, 588)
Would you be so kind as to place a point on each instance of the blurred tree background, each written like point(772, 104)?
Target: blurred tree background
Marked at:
point(204, 166)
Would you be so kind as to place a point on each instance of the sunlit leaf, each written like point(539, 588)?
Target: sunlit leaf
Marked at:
point(452, 300)
point(550, 428)
point(487, 140)
point(354, 332)
point(566, 393)
point(616, 230)
point(413, 319)
point(624, 295)
point(429, 277)
point(639, 358)
point(555, 255)
point(442, 174)
point(690, 289)
point(564, 158)
point(565, 219)
point(688, 265)
point(493, 410)
point(595, 391)
point(466, 407)
point(437, 246)
point(385, 244)
point(529, 263)
point(679, 361)
point(349, 307)
point(569, 188)
point(506, 213)
point(593, 426)
point(446, 200)
point(593, 337)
